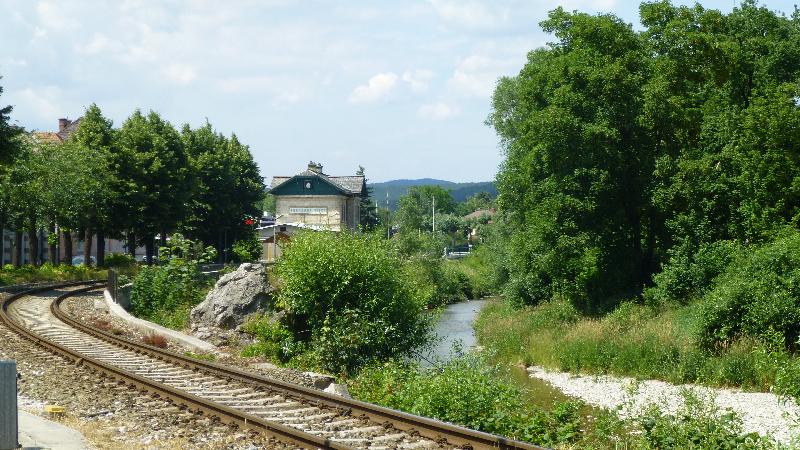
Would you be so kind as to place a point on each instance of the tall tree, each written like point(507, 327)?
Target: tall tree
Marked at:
point(153, 171)
point(576, 177)
point(415, 209)
point(8, 146)
point(228, 188)
point(94, 139)
point(368, 211)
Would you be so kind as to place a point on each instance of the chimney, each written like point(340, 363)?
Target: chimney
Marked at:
point(62, 124)
point(315, 167)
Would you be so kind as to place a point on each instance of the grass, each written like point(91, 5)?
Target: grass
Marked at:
point(10, 275)
point(634, 340)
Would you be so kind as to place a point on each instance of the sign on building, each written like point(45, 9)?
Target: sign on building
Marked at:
point(314, 211)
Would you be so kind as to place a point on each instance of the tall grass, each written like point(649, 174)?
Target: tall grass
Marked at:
point(10, 275)
point(634, 340)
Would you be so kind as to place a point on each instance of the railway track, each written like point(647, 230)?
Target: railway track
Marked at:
point(305, 417)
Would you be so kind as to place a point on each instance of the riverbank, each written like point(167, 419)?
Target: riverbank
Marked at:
point(762, 413)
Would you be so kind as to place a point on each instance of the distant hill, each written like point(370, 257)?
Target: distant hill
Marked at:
point(397, 188)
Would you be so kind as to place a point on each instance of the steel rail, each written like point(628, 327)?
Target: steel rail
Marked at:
point(430, 428)
point(224, 413)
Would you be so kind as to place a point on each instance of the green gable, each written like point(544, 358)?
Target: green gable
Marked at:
point(298, 185)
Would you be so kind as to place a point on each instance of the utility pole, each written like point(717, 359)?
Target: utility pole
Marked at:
point(388, 222)
point(434, 213)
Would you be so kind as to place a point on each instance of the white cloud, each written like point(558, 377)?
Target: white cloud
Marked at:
point(282, 89)
point(41, 103)
point(376, 88)
point(471, 14)
point(418, 79)
point(55, 16)
point(437, 111)
point(180, 73)
point(475, 76)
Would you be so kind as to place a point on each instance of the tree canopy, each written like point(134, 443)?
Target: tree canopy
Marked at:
point(624, 147)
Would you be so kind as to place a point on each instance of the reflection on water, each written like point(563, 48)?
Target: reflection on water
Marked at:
point(455, 324)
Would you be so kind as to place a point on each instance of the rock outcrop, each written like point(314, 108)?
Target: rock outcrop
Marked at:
point(235, 296)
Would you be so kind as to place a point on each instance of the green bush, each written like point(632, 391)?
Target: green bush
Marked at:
point(698, 424)
point(346, 294)
point(165, 294)
point(10, 275)
point(470, 392)
point(756, 297)
point(119, 260)
point(274, 340)
point(689, 275)
point(248, 249)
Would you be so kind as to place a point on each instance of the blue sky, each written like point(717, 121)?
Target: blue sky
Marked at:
point(400, 87)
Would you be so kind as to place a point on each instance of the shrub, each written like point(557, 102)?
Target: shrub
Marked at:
point(248, 249)
point(698, 424)
point(689, 275)
point(47, 272)
point(275, 341)
point(120, 260)
point(346, 294)
point(756, 296)
point(165, 294)
point(468, 391)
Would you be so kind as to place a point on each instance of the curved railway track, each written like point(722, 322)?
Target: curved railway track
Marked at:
point(303, 416)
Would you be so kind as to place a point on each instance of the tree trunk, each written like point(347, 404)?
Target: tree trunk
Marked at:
point(53, 247)
point(67, 248)
point(33, 245)
point(132, 243)
point(87, 246)
point(101, 249)
point(16, 250)
point(149, 245)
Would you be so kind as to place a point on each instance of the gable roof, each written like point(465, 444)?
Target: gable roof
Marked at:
point(351, 185)
point(48, 136)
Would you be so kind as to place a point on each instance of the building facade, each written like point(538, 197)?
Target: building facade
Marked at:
point(317, 200)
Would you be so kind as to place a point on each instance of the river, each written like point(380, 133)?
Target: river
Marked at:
point(455, 324)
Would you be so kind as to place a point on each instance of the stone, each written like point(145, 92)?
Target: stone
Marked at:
point(337, 389)
point(321, 381)
point(234, 297)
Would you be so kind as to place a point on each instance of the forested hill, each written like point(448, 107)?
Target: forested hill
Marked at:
point(397, 188)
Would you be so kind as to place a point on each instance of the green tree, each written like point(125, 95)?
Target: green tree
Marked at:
point(576, 177)
point(415, 209)
point(228, 186)
point(8, 146)
point(93, 142)
point(154, 173)
point(369, 219)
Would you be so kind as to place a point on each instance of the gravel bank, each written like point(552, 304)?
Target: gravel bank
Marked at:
point(762, 413)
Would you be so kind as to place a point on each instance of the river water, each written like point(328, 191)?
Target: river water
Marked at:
point(455, 325)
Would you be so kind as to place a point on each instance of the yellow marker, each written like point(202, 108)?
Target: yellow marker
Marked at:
point(55, 410)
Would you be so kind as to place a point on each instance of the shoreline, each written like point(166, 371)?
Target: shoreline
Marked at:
point(762, 413)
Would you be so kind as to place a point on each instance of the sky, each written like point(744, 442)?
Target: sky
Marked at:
point(400, 87)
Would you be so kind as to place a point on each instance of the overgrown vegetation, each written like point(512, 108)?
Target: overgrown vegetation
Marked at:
point(469, 391)
point(346, 302)
point(166, 293)
point(46, 272)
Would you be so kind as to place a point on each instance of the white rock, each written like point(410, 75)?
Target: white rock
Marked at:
point(337, 389)
point(234, 297)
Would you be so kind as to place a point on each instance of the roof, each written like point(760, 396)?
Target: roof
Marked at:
point(350, 184)
point(48, 136)
point(480, 213)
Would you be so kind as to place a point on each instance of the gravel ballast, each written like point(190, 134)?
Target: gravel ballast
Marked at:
point(763, 413)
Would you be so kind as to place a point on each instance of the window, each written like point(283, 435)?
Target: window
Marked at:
point(307, 184)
